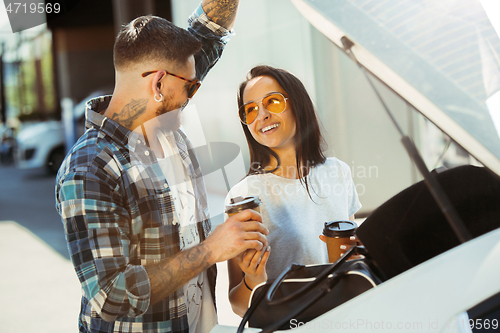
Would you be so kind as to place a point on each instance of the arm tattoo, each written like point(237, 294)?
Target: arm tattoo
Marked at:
point(222, 12)
point(169, 275)
point(130, 112)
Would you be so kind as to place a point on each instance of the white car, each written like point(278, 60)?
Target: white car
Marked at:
point(42, 145)
point(442, 57)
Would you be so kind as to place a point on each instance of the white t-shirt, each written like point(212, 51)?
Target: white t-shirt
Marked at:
point(200, 308)
point(293, 219)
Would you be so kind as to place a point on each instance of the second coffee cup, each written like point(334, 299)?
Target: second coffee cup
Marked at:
point(339, 233)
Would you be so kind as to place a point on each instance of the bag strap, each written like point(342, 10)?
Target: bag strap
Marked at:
point(252, 309)
point(271, 328)
point(323, 275)
point(266, 292)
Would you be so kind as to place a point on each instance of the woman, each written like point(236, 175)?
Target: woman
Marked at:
point(299, 187)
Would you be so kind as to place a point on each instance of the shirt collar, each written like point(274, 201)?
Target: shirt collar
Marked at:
point(94, 118)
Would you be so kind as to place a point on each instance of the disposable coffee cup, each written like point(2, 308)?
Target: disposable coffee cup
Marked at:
point(239, 204)
point(339, 233)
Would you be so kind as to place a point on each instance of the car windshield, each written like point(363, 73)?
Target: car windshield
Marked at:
point(442, 56)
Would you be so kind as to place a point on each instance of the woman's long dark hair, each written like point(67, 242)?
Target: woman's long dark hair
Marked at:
point(308, 139)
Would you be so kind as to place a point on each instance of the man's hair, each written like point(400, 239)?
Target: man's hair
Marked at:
point(309, 143)
point(152, 38)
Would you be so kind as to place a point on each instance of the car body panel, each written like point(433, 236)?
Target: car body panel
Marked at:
point(441, 57)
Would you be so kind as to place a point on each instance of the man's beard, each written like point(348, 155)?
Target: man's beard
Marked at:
point(167, 106)
point(169, 114)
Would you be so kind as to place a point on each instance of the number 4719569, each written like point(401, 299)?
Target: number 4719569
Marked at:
point(474, 323)
point(19, 7)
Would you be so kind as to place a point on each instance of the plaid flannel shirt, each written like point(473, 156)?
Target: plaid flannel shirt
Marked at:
point(118, 213)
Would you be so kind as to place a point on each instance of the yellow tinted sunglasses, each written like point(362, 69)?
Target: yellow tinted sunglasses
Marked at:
point(274, 102)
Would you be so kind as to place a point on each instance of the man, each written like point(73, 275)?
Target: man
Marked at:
point(130, 192)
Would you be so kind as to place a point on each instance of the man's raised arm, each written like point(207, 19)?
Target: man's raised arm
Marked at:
point(222, 12)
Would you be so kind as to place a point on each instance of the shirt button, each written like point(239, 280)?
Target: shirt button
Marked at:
point(146, 153)
point(165, 185)
point(139, 141)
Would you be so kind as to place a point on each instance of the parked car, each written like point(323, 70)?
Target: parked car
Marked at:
point(441, 57)
point(42, 145)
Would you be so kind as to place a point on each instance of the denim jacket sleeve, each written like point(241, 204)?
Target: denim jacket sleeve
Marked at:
point(214, 38)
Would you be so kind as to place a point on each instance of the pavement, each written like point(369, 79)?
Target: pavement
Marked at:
point(39, 289)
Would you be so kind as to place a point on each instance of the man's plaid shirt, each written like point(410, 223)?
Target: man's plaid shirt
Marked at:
point(118, 213)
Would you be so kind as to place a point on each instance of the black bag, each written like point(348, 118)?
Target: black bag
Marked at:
point(302, 293)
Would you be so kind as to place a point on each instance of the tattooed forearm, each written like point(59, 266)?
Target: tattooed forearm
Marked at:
point(130, 112)
point(170, 274)
point(222, 12)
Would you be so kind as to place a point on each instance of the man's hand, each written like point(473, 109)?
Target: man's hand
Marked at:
point(239, 233)
point(222, 12)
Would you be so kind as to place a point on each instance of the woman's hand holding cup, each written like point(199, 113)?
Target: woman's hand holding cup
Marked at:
point(339, 237)
point(253, 264)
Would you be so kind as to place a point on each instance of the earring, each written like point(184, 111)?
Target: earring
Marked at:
point(160, 99)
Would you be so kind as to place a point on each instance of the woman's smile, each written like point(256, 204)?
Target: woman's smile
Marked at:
point(269, 128)
point(274, 130)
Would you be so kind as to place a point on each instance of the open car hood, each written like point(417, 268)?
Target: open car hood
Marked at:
point(442, 57)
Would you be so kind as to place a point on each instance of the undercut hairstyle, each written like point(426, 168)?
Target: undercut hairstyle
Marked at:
point(152, 38)
point(309, 143)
